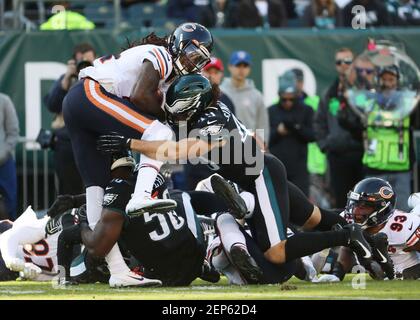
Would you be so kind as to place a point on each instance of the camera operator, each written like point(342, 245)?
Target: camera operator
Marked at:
point(65, 166)
point(388, 147)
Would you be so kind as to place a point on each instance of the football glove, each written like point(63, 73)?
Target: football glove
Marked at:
point(61, 204)
point(113, 143)
point(30, 271)
point(379, 243)
point(15, 264)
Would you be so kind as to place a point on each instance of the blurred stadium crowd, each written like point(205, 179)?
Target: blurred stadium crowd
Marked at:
point(314, 136)
point(320, 14)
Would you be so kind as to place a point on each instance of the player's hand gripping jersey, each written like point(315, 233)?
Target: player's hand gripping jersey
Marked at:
point(119, 74)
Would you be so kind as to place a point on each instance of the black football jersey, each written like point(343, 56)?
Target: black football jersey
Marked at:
point(240, 159)
point(169, 245)
point(117, 194)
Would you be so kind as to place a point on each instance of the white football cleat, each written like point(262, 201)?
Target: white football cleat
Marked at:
point(139, 206)
point(132, 279)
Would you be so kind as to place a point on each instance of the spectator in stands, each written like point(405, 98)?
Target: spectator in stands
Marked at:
point(344, 151)
point(67, 20)
point(9, 134)
point(187, 10)
point(301, 94)
point(290, 132)
point(376, 13)
point(290, 7)
point(127, 3)
point(214, 72)
point(65, 166)
point(261, 13)
point(218, 14)
point(389, 152)
point(404, 12)
point(322, 14)
point(248, 100)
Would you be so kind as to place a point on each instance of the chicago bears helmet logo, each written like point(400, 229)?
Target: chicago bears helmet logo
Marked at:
point(386, 192)
point(188, 27)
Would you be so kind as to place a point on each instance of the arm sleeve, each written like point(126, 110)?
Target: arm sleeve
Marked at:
point(11, 239)
point(54, 99)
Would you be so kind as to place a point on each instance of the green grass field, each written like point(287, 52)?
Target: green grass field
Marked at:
point(294, 289)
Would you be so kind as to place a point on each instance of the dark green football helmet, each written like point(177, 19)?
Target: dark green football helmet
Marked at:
point(186, 96)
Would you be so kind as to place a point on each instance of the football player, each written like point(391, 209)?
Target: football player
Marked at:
point(371, 204)
point(5, 273)
point(170, 246)
point(37, 246)
point(192, 103)
point(124, 93)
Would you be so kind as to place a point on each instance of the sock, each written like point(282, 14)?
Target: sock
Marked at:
point(115, 261)
point(146, 177)
point(249, 201)
point(94, 198)
point(149, 167)
point(304, 244)
point(229, 231)
point(328, 219)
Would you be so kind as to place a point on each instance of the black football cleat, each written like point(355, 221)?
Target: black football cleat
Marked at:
point(230, 195)
point(246, 265)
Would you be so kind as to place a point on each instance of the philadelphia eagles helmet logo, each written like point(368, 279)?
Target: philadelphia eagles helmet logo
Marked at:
point(182, 105)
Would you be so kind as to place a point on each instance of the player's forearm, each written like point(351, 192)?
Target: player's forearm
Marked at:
point(91, 240)
point(171, 150)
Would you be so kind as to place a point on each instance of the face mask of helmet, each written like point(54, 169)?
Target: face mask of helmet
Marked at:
point(192, 58)
point(365, 213)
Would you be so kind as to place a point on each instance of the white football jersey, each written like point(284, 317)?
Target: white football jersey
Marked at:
point(27, 240)
point(403, 231)
point(118, 74)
